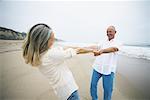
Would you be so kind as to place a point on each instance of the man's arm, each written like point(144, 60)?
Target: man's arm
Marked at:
point(107, 50)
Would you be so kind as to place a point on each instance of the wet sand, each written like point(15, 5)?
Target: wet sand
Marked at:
point(20, 81)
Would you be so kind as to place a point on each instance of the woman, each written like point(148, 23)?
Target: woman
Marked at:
point(38, 51)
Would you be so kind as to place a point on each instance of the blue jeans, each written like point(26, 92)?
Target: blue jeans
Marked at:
point(107, 85)
point(74, 96)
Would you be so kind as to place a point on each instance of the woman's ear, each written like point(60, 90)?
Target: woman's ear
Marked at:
point(51, 40)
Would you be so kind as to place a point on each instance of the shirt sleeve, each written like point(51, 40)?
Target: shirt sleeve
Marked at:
point(61, 54)
point(68, 53)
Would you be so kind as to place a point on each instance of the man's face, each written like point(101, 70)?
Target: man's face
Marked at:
point(111, 33)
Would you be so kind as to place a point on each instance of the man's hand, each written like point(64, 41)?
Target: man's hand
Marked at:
point(107, 50)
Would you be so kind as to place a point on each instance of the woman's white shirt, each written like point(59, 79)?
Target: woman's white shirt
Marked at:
point(55, 69)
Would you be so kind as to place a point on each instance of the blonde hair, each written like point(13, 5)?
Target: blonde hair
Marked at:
point(36, 43)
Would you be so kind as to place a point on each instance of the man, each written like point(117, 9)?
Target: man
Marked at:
point(105, 65)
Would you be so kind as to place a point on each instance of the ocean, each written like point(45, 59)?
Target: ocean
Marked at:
point(136, 51)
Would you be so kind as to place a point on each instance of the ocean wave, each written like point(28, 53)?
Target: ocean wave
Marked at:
point(136, 51)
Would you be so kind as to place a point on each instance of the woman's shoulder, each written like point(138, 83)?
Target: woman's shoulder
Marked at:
point(55, 50)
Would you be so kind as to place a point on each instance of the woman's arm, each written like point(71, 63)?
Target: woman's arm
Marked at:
point(84, 50)
point(62, 54)
point(81, 50)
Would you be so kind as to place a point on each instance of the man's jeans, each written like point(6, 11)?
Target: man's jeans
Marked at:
point(107, 85)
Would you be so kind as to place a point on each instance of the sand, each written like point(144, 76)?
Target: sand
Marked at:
point(20, 81)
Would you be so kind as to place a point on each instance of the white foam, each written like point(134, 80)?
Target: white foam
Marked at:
point(134, 51)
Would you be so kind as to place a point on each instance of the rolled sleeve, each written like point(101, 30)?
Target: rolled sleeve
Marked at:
point(70, 53)
point(61, 54)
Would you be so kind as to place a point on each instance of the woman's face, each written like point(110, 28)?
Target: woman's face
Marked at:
point(51, 40)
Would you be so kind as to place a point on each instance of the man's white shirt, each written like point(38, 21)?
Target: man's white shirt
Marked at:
point(107, 62)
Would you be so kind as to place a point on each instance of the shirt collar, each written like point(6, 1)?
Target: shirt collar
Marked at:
point(110, 40)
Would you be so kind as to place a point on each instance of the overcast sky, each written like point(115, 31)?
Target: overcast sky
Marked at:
point(81, 21)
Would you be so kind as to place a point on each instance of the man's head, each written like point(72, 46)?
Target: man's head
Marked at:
point(111, 31)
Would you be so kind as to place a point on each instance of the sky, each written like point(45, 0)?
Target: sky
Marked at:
point(81, 21)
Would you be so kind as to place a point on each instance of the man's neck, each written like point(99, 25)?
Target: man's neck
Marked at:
point(110, 39)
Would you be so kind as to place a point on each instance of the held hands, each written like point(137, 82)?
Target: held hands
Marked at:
point(97, 53)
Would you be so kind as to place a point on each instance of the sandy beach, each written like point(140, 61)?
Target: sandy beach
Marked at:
point(20, 81)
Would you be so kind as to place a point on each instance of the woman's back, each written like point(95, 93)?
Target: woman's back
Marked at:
point(53, 66)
